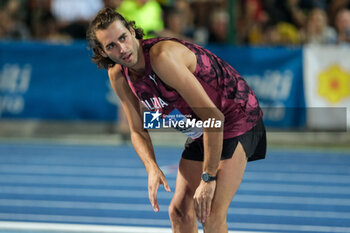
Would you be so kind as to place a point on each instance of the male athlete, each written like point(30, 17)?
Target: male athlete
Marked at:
point(166, 74)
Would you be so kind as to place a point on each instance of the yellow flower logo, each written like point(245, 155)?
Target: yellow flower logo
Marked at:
point(334, 84)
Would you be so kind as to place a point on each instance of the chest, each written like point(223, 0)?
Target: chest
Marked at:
point(153, 93)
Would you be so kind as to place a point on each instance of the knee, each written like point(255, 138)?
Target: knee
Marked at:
point(216, 222)
point(180, 214)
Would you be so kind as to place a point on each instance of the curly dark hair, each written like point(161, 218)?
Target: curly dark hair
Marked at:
point(102, 20)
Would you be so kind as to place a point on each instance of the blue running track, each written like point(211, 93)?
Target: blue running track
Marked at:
point(290, 191)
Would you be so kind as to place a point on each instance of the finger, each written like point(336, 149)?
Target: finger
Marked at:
point(196, 207)
point(153, 198)
point(208, 208)
point(204, 208)
point(155, 201)
point(199, 210)
point(166, 186)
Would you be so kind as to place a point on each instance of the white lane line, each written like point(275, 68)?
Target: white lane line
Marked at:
point(79, 192)
point(289, 213)
point(291, 188)
point(292, 200)
point(73, 170)
point(298, 177)
point(163, 222)
point(297, 168)
point(287, 227)
point(70, 228)
point(75, 180)
point(50, 169)
point(80, 205)
point(86, 219)
point(245, 186)
point(162, 194)
point(163, 208)
point(72, 161)
point(142, 182)
point(248, 176)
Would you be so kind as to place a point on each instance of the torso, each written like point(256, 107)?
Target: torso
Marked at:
point(226, 88)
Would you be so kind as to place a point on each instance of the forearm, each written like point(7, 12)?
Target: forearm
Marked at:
point(212, 141)
point(143, 147)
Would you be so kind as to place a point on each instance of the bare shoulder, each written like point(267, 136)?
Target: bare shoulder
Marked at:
point(168, 47)
point(170, 50)
point(165, 45)
point(118, 82)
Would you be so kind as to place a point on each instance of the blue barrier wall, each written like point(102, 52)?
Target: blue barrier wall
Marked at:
point(59, 82)
point(55, 82)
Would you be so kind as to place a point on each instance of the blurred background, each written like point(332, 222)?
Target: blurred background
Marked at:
point(65, 152)
point(293, 53)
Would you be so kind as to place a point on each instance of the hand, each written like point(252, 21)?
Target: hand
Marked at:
point(203, 198)
point(155, 178)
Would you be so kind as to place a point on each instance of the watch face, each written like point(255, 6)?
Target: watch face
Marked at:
point(205, 177)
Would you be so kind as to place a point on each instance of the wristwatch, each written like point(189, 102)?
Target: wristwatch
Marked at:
point(207, 178)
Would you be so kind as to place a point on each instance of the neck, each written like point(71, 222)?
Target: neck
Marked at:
point(137, 72)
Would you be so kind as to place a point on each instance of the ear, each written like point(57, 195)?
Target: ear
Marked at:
point(102, 53)
point(132, 31)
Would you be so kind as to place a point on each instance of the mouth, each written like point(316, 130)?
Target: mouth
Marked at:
point(127, 58)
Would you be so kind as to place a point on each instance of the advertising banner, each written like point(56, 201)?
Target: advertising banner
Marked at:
point(327, 87)
point(53, 82)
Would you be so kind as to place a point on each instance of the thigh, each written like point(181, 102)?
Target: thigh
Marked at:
point(181, 210)
point(187, 181)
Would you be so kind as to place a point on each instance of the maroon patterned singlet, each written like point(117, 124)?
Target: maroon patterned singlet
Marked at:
point(226, 88)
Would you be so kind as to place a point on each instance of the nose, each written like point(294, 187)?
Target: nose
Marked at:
point(122, 48)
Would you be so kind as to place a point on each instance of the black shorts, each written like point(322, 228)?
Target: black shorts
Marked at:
point(253, 142)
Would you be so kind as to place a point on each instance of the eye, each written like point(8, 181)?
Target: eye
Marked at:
point(110, 46)
point(122, 38)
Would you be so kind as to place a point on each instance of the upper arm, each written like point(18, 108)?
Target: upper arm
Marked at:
point(172, 62)
point(127, 98)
